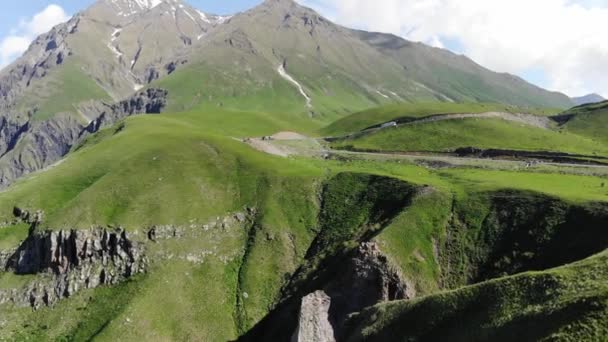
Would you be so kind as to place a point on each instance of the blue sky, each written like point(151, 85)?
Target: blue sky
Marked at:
point(563, 49)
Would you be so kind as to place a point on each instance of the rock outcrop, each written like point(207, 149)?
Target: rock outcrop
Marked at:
point(319, 310)
point(5, 256)
point(11, 130)
point(42, 143)
point(45, 53)
point(149, 101)
point(314, 322)
point(70, 260)
point(366, 278)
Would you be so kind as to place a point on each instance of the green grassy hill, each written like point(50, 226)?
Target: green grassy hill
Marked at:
point(589, 121)
point(361, 120)
point(339, 69)
point(484, 133)
point(233, 238)
point(569, 303)
point(187, 169)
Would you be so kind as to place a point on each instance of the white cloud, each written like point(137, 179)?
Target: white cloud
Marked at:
point(20, 38)
point(563, 38)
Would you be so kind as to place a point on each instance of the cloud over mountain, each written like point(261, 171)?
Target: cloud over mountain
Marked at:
point(21, 36)
point(562, 39)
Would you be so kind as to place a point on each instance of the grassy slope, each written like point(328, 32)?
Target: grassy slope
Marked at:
point(481, 133)
point(174, 168)
point(63, 88)
point(411, 239)
point(164, 169)
point(459, 78)
point(361, 120)
point(151, 170)
point(430, 245)
point(565, 304)
point(590, 121)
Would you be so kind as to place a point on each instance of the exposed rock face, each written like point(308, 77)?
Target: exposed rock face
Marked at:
point(72, 260)
point(25, 216)
point(149, 101)
point(365, 279)
point(314, 322)
point(319, 310)
point(46, 52)
point(42, 143)
point(5, 257)
point(10, 131)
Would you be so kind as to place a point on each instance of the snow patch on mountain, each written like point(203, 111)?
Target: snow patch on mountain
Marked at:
point(382, 94)
point(204, 17)
point(221, 20)
point(128, 8)
point(292, 80)
point(111, 45)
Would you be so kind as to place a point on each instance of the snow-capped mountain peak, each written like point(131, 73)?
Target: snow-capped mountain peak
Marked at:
point(131, 7)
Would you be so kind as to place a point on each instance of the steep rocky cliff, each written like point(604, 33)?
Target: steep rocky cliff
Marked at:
point(149, 101)
point(38, 145)
point(362, 279)
point(70, 260)
point(32, 145)
point(63, 262)
point(343, 262)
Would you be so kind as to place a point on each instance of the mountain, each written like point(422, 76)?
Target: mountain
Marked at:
point(588, 120)
point(245, 245)
point(278, 57)
point(330, 70)
point(187, 225)
point(102, 55)
point(587, 99)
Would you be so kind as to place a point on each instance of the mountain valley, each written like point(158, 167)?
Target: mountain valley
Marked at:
point(170, 174)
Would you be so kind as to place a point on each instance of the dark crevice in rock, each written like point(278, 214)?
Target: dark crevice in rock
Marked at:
point(15, 138)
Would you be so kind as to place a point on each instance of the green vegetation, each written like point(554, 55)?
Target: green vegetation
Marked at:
point(569, 303)
point(354, 208)
point(359, 121)
point(11, 235)
point(81, 318)
point(356, 205)
point(65, 87)
point(589, 121)
point(183, 168)
point(486, 254)
point(480, 133)
point(413, 239)
point(506, 232)
point(154, 170)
